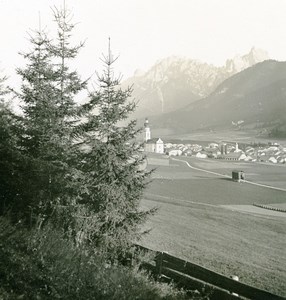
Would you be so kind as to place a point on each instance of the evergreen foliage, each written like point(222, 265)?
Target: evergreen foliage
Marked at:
point(111, 164)
point(50, 113)
point(74, 174)
point(77, 165)
point(11, 160)
point(44, 264)
point(42, 135)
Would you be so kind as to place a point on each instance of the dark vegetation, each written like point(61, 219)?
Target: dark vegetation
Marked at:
point(70, 182)
point(44, 264)
point(279, 130)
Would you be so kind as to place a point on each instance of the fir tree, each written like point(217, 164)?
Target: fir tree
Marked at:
point(12, 179)
point(6, 145)
point(50, 113)
point(81, 164)
point(40, 139)
point(68, 85)
point(111, 162)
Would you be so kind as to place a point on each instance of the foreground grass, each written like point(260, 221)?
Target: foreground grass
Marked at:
point(41, 264)
point(231, 243)
point(192, 222)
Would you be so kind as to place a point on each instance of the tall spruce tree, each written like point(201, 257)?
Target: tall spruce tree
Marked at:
point(8, 141)
point(68, 85)
point(13, 163)
point(83, 167)
point(114, 179)
point(50, 113)
point(40, 134)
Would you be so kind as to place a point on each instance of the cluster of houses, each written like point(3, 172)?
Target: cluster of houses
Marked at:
point(273, 153)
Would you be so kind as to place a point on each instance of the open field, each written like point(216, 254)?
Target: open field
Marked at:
point(210, 220)
point(180, 182)
point(264, 173)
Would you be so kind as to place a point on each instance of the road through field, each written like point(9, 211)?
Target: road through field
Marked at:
point(227, 176)
point(207, 218)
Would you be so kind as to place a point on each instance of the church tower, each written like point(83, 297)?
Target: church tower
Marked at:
point(147, 131)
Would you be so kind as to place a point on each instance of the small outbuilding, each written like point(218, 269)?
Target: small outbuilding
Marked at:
point(238, 175)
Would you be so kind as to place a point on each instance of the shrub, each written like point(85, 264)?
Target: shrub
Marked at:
point(43, 264)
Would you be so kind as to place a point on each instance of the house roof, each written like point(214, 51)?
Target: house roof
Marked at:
point(233, 155)
point(212, 150)
point(154, 141)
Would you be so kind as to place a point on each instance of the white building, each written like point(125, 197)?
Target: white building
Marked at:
point(175, 152)
point(155, 145)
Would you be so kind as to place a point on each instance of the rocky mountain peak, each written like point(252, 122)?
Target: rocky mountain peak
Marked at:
point(239, 63)
point(174, 82)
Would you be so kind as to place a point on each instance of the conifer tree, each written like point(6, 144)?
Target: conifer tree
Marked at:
point(13, 163)
point(114, 180)
point(68, 85)
point(82, 165)
point(40, 141)
point(50, 113)
point(7, 145)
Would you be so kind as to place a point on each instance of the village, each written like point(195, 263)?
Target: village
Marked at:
point(268, 153)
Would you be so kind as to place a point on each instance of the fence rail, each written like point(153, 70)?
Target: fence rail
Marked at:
point(189, 275)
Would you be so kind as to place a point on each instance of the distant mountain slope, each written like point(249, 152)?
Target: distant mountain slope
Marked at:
point(254, 96)
point(175, 82)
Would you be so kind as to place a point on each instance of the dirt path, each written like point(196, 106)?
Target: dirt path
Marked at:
point(227, 176)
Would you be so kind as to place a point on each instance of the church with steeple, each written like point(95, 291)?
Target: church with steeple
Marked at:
point(147, 131)
point(155, 145)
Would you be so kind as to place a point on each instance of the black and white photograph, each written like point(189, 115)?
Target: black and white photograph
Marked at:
point(143, 149)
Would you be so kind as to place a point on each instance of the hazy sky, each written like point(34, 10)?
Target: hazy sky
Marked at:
point(143, 31)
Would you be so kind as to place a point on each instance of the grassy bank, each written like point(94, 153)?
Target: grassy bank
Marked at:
point(41, 264)
point(229, 242)
point(194, 224)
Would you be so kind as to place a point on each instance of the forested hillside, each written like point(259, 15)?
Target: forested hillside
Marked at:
point(255, 97)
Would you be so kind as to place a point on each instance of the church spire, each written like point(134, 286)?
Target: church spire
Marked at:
point(147, 131)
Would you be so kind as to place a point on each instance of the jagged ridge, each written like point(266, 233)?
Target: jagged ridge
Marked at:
point(255, 96)
point(175, 82)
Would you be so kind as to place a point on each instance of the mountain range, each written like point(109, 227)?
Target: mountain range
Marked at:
point(254, 97)
point(175, 82)
point(183, 95)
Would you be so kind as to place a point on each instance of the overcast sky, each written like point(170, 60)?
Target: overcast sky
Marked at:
point(143, 31)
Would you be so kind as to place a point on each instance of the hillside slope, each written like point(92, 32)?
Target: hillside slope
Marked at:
point(255, 96)
point(175, 82)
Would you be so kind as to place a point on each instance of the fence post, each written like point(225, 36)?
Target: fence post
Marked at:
point(159, 262)
point(234, 277)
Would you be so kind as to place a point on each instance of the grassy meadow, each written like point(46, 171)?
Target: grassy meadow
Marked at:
point(264, 173)
point(195, 222)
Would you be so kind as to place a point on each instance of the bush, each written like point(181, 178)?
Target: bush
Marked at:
point(43, 264)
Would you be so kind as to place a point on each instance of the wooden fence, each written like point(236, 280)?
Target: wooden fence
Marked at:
point(190, 276)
